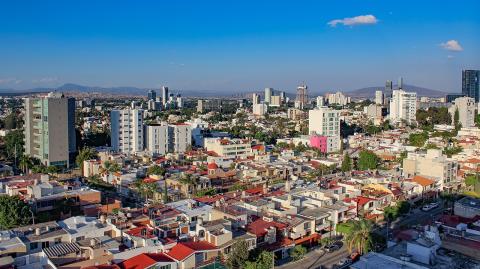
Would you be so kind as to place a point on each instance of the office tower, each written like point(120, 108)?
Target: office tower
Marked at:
point(449, 98)
point(268, 95)
point(50, 129)
point(255, 99)
point(283, 96)
point(127, 130)
point(466, 111)
point(400, 83)
point(379, 97)
point(320, 101)
point(164, 95)
point(302, 96)
point(389, 86)
point(403, 106)
point(152, 95)
point(325, 122)
point(471, 84)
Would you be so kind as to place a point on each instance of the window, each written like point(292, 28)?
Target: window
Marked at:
point(33, 245)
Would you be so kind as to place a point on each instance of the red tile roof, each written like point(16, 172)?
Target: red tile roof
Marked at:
point(183, 250)
point(260, 226)
point(423, 181)
point(361, 200)
point(144, 260)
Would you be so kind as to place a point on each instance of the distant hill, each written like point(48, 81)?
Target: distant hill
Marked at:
point(369, 92)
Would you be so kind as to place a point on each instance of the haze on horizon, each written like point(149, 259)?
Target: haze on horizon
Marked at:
point(241, 46)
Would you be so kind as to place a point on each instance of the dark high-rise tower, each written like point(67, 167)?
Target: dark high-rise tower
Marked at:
point(152, 95)
point(470, 84)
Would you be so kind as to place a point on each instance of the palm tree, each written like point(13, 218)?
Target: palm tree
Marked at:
point(359, 236)
point(83, 155)
point(25, 163)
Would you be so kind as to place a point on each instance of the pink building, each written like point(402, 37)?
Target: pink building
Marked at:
point(319, 142)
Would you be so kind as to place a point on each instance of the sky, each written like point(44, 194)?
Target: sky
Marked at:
point(238, 46)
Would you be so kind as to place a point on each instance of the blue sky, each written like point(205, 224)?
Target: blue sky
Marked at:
point(238, 45)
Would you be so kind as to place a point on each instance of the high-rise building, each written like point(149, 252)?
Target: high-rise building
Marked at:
point(325, 121)
point(320, 101)
point(164, 95)
point(338, 98)
point(50, 129)
point(260, 109)
point(471, 84)
point(379, 97)
point(283, 96)
point(275, 100)
point(302, 96)
point(388, 92)
point(403, 106)
point(466, 111)
point(400, 83)
point(268, 95)
point(127, 130)
point(152, 95)
point(255, 99)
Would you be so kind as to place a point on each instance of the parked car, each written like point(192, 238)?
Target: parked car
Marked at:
point(333, 246)
point(427, 208)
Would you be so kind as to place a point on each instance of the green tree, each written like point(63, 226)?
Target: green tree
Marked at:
point(156, 170)
point(456, 120)
point(264, 261)
point(238, 255)
point(359, 236)
point(418, 139)
point(346, 163)
point(367, 160)
point(25, 163)
point(14, 143)
point(13, 212)
point(111, 166)
point(298, 252)
point(146, 189)
point(84, 155)
point(12, 121)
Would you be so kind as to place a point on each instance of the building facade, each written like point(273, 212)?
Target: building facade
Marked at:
point(325, 121)
point(50, 129)
point(127, 130)
point(466, 111)
point(471, 84)
point(403, 106)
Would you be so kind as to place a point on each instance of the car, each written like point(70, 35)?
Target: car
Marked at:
point(434, 205)
point(427, 208)
point(332, 247)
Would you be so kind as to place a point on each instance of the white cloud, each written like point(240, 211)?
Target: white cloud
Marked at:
point(10, 81)
point(451, 45)
point(358, 20)
point(45, 80)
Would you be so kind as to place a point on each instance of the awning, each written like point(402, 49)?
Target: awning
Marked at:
point(61, 249)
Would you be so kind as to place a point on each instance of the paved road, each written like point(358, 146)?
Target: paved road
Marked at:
point(317, 258)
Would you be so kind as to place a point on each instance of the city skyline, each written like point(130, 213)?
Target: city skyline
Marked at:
point(239, 47)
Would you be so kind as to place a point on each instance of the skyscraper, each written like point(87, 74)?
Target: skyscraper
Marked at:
point(471, 84)
point(268, 95)
point(379, 97)
point(400, 83)
point(152, 95)
point(255, 99)
point(50, 129)
point(164, 95)
point(302, 96)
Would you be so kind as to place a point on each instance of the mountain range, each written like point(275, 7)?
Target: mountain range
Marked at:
point(367, 92)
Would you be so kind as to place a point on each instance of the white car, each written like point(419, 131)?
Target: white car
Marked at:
point(427, 208)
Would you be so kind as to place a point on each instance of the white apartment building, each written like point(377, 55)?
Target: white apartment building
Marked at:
point(127, 130)
point(433, 164)
point(275, 101)
point(403, 106)
point(325, 121)
point(374, 113)
point(338, 98)
point(268, 95)
point(255, 99)
point(162, 138)
point(320, 101)
point(379, 98)
point(466, 111)
point(232, 148)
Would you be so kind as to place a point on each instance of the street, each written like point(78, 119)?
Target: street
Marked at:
point(316, 258)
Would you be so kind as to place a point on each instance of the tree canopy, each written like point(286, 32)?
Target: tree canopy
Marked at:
point(367, 160)
point(13, 212)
